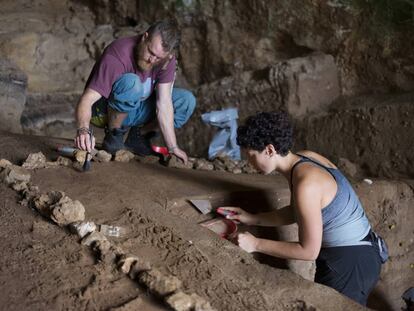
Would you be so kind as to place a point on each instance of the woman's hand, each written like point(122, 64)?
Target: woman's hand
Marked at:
point(237, 214)
point(247, 242)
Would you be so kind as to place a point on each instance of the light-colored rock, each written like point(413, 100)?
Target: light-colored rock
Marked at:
point(67, 211)
point(92, 238)
point(236, 170)
point(14, 174)
point(104, 250)
point(30, 192)
point(203, 165)
point(180, 301)
point(126, 261)
point(102, 156)
point(219, 164)
point(176, 162)
point(249, 169)
point(4, 163)
point(200, 304)
point(140, 265)
point(158, 283)
point(124, 156)
point(34, 161)
point(20, 186)
point(80, 156)
point(43, 201)
point(63, 161)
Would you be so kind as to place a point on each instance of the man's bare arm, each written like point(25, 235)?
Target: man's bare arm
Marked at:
point(83, 118)
point(165, 116)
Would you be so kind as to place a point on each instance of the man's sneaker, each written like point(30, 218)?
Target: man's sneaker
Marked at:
point(114, 139)
point(137, 143)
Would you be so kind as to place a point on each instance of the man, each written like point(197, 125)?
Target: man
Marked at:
point(132, 85)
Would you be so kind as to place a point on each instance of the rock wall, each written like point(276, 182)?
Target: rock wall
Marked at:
point(13, 84)
point(252, 54)
point(373, 132)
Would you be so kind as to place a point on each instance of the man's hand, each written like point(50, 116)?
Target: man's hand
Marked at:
point(84, 141)
point(238, 214)
point(247, 242)
point(180, 154)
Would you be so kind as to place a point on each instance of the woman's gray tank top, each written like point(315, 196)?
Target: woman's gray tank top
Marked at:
point(344, 220)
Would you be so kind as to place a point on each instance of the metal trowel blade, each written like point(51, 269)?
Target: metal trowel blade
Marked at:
point(204, 206)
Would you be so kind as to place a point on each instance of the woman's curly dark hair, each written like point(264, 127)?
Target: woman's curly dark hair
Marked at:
point(267, 128)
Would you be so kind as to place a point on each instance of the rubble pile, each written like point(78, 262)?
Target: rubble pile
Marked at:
point(220, 163)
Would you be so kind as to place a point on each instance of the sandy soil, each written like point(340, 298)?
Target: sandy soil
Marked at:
point(44, 267)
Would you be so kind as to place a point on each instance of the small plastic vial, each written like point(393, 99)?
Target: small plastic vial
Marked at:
point(114, 231)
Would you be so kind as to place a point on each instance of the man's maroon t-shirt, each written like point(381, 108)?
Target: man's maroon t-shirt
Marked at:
point(118, 59)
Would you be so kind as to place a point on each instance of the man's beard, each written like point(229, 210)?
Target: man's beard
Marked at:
point(144, 66)
point(139, 58)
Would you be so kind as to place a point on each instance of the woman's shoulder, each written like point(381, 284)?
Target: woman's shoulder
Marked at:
point(317, 157)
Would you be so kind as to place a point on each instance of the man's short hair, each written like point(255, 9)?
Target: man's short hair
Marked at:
point(267, 128)
point(169, 32)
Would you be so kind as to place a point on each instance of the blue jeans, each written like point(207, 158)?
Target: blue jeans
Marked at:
point(127, 96)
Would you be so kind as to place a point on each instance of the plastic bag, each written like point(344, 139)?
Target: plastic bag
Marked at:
point(224, 141)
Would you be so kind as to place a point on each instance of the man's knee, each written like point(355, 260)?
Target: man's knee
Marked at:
point(128, 82)
point(184, 104)
point(126, 93)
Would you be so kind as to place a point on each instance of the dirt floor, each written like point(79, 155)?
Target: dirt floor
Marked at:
point(45, 267)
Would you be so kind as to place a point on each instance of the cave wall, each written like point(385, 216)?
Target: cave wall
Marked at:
point(252, 54)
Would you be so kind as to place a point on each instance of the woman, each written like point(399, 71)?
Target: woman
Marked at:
point(333, 228)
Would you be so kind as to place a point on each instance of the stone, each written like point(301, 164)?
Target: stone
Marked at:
point(126, 261)
point(104, 250)
point(59, 207)
point(200, 304)
point(63, 161)
point(219, 164)
point(43, 201)
point(102, 156)
point(14, 174)
point(80, 156)
point(176, 162)
point(4, 163)
point(124, 156)
point(203, 165)
point(158, 283)
point(34, 161)
point(140, 265)
point(19, 186)
point(180, 301)
point(30, 192)
point(249, 169)
point(237, 170)
point(67, 211)
point(92, 238)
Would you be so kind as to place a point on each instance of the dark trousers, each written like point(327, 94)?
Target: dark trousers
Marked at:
point(351, 270)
